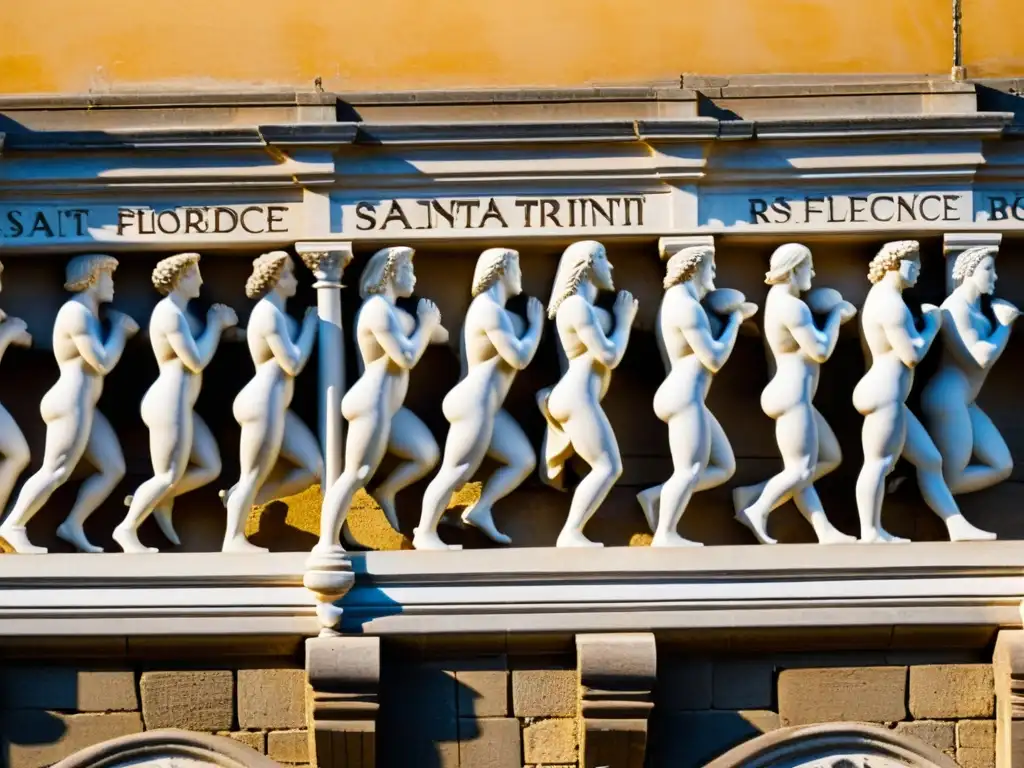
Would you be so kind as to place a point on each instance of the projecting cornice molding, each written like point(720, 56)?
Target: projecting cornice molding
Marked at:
point(805, 587)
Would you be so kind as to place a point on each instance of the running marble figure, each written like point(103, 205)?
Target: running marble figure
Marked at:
point(13, 446)
point(75, 429)
point(576, 423)
point(390, 344)
point(894, 349)
point(972, 342)
point(807, 444)
point(495, 346)
point(181, 446)
point(270, 431)
point(701, 455)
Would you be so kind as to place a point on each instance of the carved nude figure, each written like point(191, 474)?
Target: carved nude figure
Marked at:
point(701, 455)
point(894, 349)
point(13, 446)
point(494, 348)
point(270, 431)
point(181, 446)
point(588, 351)
point(390, 344)
point(971, 344)
point(74, 427)
point(808, 445)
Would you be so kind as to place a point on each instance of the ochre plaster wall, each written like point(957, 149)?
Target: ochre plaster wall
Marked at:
point(58, 46)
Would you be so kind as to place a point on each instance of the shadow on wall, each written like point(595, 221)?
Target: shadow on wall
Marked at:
point(534, 514)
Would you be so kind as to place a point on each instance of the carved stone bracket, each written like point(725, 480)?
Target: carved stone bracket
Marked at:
point(670, 246)
point(344, 674)
point(955, 243)
point(1008, 663)
point(617, 673)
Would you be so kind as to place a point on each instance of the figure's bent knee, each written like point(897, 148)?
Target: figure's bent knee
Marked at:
point(611, 466)
point(429, 455)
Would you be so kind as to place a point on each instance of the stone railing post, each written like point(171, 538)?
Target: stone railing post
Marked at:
point(616, 675)
point(329, 574)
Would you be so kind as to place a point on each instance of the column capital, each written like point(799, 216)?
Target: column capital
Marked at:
point(955, 242)
point(670, 246)
point(326, 260)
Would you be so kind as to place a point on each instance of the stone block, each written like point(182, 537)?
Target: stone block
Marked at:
point(271, 698)
point(764, 720)
point(482, 693)
point(288, 746)
point(937, 733)
point(860, 694)
point(489, 743)
point(684, 684)
point(951, 691)
point(68, 688)
point(417, 701)
point(972, 757)
point(976, 734)
point(253, 739)
point(544, 692)
point(192, 701)
point(743, 685)
point(37, 738)
point(550, 742)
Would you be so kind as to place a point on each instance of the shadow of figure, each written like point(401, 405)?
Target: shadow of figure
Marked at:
point(274, 532)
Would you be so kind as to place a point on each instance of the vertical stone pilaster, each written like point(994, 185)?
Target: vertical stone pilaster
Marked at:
point(617, 673)
point(955, 243)
point(327, 261)
point(344, 675)
point(1008, 670)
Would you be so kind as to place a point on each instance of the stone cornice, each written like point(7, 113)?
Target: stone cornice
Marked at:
point(520, 590)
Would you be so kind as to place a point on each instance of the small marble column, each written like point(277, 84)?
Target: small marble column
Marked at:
point(955, 243)
point(329, 575)
point(670, 246)
point(327, 261)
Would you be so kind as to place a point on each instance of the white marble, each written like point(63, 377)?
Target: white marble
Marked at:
point(278, 455)
point(74, 427)
point(589, 350)
point(702, 457)
point(13, 446)
point(797, 349)
point(894, 349)
point(496, 345)
point(390, 343)
point(972, 341)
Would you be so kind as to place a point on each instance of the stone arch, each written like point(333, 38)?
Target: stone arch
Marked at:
point(833, 745)
point(168, 749)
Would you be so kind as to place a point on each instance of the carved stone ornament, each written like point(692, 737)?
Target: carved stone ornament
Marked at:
point(973, 339)
point(589, 350)
point(278, 455)
point(390, 343)
point(74, 426)
point(182, 447)
point(701, 455)
point(895, 347)
point(797, 348)
point(496, 344)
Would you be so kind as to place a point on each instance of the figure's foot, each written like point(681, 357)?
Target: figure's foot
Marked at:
point(429, 540)
point(165, 522)
point(649, 504)
point(241, 544)
point(829, 534)
point(575, 539)
point(880, 536)
point(387, 506)
point(74, 535)
point(17, 538)
point(961, 530)
point(672, 539)
point(482, 519)
point(757, 522)
point(127, 538)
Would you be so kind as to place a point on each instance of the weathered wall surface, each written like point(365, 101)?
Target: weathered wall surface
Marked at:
point(51, 47)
